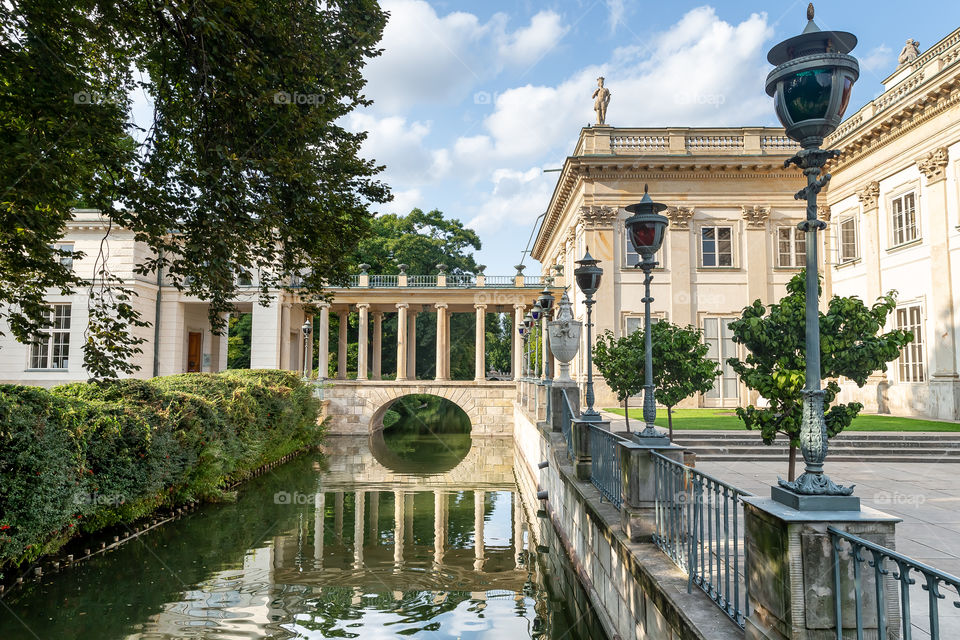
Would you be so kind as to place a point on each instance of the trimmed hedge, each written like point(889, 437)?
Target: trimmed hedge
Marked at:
point(84, 456)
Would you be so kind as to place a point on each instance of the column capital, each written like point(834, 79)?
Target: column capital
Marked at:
point(441, 305)
point(755, 215)
point(480, 306)
point(823, 212)
point(679, 216)
point(363, 305)
point(934, 164)
point(402, 305)
point(324, 305)
point(519, 306)
point(869, 196)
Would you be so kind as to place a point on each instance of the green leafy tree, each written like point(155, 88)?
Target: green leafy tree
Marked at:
point(238, 341)
point(852, 345)
point(244, 157)
point(680, 365)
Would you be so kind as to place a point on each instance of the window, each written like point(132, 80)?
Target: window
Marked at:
point(791, 247)
point(848, 240)
point(635, 323)
point(718, 337)
point(53, 349)
point(910, 363)
point(716, 246)
point(66, 260)
point(904, 223)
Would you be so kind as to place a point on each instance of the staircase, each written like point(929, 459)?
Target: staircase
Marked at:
point(854, 446)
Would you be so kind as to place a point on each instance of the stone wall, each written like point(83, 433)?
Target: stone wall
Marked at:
point(357, 408)
point(634, 588)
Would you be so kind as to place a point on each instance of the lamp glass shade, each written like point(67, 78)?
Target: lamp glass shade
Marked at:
point(806, 94)
point(646, 233)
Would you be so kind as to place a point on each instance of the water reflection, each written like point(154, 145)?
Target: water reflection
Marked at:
point(347, 547)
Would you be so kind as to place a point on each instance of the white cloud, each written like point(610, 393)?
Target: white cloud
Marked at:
point(403, 202)
point(528, 45)
point(400, 145)
point(516, 199)
point(432, 59)
point(880, 58)
point(616, 9)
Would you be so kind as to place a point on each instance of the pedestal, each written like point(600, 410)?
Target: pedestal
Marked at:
point(558, 411)
point(580, 455)
point(790, 575)
point(638, 470)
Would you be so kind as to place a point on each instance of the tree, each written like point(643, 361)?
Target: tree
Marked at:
point(239, 340)
point(244, 159)
point(680, 365)
point(851, 345)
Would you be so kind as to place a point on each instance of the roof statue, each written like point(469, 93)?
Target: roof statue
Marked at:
point(910, 52)
point(601, 98)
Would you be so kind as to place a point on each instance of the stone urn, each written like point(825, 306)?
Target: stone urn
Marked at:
point(564, 335)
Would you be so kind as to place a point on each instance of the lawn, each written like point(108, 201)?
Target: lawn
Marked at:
point(726, 419)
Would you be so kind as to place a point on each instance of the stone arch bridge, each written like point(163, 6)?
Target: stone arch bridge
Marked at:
point(357, 408)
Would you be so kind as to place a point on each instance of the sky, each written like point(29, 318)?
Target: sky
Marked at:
point(473, 101)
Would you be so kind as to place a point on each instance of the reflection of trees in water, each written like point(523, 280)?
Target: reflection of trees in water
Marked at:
point(427, 431)
point(420, 413)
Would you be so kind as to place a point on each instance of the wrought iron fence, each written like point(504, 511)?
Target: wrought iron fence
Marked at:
point(421, 281)
point(604, 464)
point(460, 280)
point(888, 565)
point(500, 281)
point(699, 525)
point(384, 281)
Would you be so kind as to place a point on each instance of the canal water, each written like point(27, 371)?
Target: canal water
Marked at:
point(409, 535)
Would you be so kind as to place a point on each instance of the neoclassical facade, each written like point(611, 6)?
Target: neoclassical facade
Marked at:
point(894, 212)
point(732, 235)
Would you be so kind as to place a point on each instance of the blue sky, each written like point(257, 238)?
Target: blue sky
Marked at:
point(473, 100)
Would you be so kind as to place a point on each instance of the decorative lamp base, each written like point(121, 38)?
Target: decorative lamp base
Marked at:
point(805, 502)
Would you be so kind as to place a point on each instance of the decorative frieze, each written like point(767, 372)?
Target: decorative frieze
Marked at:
point(934, 165)
point(755, 215)
point(598, 216)
point(679, 216)
point(870, 196)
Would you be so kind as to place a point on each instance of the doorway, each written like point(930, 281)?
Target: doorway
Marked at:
point(194, 351)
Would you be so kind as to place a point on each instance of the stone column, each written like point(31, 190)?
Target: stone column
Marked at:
point(518, 311)
point(441, 369)
point(362, 335)
point(374, 517)
point(408, 516)
point(755, 251)
point(479, 498)
point(402, 341)
point(338, 514)
point(342, 346)
point(323, 357)
point(940, 306)
point(285, 336)
point(481, 334)
point(397, 530)
point(440, 511)
point(790, 573)
point(377, 343)
point(358, 498)
point(319, 505)
point(265, 337)
point(412, 345)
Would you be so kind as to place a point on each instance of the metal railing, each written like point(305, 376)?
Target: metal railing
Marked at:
point(501, 281)
point(354, 281)
point(384, 281)
point(421, 281)
point(460, 280)
point(889, 565)
point(604, 464)
point(699, 525)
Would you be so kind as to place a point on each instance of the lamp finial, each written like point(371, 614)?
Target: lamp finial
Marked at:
point(810, 11)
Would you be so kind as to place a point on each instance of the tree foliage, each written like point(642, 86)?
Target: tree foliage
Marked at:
point(421, 241)
point(680, 365)
point(243, 166)
point(852, 345)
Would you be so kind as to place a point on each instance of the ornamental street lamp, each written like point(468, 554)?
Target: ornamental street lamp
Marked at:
point(588, 276)
point(536, 314)
point(811, 90)
point(522, 329)
point(645, 230)
point(528, 325)
point(307, 329)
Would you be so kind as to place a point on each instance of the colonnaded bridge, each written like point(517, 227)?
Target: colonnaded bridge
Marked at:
point(356, 401)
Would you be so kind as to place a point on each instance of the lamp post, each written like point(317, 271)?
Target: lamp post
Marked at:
point(307, 329)
point(588, 276)
point(522, 330)
point(536, 313)
point(811, 87)
point(645, 230)
point(546, 301)
point(527, 324)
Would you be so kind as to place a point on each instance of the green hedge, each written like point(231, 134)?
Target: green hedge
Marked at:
point(84, 456)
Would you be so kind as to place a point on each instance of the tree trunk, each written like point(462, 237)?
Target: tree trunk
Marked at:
point(792, 467)
point(626, 411)
point(670, 422)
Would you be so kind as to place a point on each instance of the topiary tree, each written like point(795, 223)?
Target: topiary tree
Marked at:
point(851, 345)
point(680, 365)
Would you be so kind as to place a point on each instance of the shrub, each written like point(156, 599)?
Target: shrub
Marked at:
point(88, 455)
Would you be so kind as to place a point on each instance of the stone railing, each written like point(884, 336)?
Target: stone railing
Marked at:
point(461, 281)
point(682, 141)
